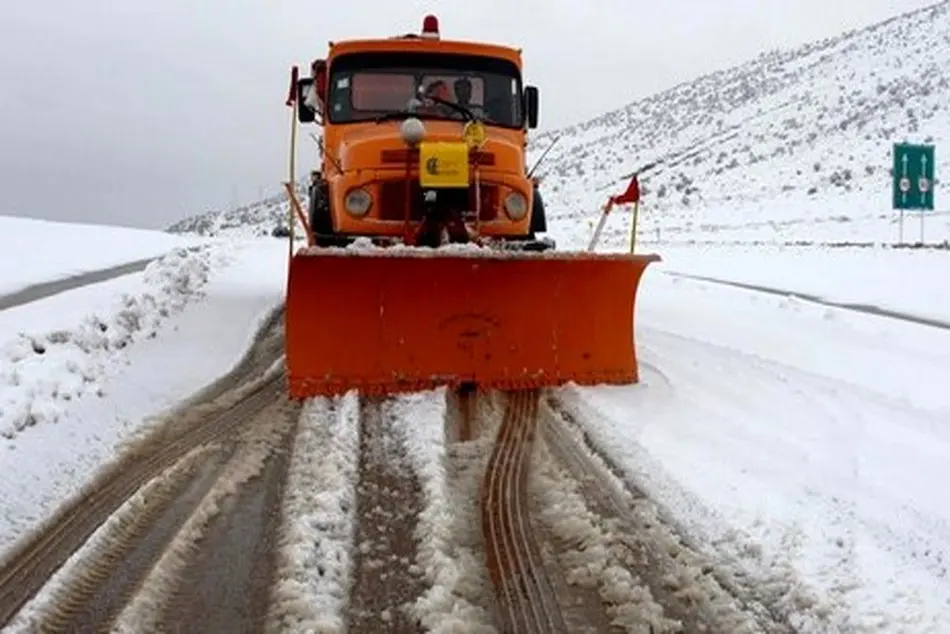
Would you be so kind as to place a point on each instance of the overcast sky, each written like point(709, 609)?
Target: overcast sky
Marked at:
point(141, 113)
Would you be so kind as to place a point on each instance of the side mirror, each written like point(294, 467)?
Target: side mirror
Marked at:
point(531, 106)
point(306, 113)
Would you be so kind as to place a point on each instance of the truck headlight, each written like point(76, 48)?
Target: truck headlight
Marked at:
point(516, 206)
point(357, 202)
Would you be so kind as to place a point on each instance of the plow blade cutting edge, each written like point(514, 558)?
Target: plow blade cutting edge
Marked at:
point(399, 320)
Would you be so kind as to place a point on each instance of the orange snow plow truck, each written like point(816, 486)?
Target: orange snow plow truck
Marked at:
point(424, 265)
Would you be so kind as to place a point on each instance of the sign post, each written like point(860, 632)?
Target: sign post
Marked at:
point(912, 181)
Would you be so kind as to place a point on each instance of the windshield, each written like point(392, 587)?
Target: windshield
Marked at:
point(364, 86)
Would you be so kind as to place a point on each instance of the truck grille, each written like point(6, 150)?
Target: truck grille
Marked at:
point(476, 157)
point(392, 202)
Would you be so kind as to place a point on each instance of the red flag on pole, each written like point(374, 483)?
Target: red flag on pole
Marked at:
point(632, 195)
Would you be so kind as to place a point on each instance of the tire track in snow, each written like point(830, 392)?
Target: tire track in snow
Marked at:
point(90, 590)
point(386, 578)
point(200, 423)
point(526, 597)
point(582, 607)
point(688, 584)
point(216, 576)
point(649, 577)
point(31, 567)
point(123, 574)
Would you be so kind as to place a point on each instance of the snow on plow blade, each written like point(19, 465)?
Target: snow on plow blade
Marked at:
point(399, 320)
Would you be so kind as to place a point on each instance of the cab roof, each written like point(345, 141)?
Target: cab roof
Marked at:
point(428, 41)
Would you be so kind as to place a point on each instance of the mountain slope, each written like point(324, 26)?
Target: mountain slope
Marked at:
point(792, 145)
point(255, 219)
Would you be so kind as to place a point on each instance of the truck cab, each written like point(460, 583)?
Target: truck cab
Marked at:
point(421, 136)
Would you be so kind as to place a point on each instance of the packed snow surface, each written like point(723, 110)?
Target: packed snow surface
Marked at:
point(900, 280)
point(35, 251)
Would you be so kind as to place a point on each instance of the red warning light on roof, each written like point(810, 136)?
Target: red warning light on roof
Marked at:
point(430, 26)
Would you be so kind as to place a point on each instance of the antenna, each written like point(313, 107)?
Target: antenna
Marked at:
point(543, 154)
point(319, 143)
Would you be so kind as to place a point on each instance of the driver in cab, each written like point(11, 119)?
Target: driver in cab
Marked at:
point(463, 96)
point(462, 87)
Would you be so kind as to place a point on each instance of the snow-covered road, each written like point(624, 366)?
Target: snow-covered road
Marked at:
point(803, 447)
point(808, 443)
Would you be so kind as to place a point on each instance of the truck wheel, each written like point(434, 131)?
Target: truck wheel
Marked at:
point(321, 220)
point(539, 222)
point(321, 223)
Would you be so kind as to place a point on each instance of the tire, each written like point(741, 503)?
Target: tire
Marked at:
point(539, 222)
point(321, 222)
point(321, 219)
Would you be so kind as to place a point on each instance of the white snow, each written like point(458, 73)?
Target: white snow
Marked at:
point(803, 444)
point(74, 336)
point(805, 448)
point(34, 251)
point(171, 330)
point(314, 558)
point(903, 280)
point(817, 434)
point(449, 570)
point(593, 556)
point(255, 220)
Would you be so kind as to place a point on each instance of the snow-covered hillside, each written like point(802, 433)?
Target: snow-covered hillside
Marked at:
point(38, 251)
point(253, 220)
point(794, 145)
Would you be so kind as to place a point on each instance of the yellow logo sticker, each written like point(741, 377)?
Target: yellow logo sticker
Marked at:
point(443, 164)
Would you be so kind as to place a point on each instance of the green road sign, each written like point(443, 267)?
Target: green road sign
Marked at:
point(913, 185)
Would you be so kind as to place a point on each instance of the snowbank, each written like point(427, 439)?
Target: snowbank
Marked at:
point(141, 383)
point(57, 250)
point(41, 371)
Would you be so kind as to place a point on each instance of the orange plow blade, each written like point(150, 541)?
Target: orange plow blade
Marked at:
point(398, 320)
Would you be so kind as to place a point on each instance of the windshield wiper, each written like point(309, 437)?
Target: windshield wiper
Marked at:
point(467, 114)
point(394, 115)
